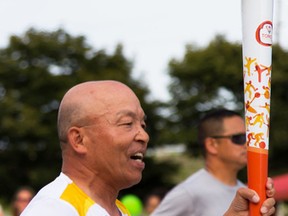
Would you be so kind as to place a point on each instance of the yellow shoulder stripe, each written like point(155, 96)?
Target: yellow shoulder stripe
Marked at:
point(82, 202)
point(77, 198)
point(122, 207)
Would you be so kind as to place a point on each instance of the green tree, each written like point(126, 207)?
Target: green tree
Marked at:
point(36, 70)
point(212, 77)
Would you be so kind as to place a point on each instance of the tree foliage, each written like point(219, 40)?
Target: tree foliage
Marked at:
point(36, 70)
point(212, 77)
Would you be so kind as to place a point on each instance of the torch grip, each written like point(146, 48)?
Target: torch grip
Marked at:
point(257, 178)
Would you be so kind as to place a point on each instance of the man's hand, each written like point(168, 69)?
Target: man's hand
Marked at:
point(240, 204)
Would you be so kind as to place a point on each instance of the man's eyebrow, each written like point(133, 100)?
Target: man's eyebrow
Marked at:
point(128, 113)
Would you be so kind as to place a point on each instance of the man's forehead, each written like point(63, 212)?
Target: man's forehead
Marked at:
point(112, 103)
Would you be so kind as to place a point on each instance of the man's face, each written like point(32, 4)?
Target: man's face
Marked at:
point(229, 152)
point(117, 142)
point(22, 200)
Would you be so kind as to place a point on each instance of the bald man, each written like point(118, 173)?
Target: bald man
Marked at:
point(101, 128)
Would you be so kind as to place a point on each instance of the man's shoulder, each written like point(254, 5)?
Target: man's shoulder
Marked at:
point(47, 206)
point(194, 185)
point(191, 183)
point(48, 199)
point(55, 188)
point(201, 176)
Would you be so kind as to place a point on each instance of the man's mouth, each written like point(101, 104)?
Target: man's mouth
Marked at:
point(138, 156)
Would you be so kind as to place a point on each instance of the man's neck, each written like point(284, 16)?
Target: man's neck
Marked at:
point(224, 174)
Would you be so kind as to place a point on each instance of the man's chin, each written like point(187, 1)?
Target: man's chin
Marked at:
point(133, 181)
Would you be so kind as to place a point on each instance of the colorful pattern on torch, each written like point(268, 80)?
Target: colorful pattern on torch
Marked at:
point(257, 86)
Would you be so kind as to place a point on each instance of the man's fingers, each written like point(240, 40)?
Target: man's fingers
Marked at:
point(269, 183)
point(270, 192)
point(270, 212)
point(249, 194)
point(268, 206)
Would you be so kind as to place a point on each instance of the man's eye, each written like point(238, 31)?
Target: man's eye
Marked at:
point(127, 123)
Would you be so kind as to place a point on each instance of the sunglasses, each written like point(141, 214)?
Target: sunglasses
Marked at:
point(238, 139)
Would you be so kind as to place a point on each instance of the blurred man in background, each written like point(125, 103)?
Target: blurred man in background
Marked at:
point(209, 191)
point(21, 199)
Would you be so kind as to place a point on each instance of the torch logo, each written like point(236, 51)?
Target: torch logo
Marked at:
point(264, 33)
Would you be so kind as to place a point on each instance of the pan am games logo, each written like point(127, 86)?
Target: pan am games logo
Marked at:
point(264, 33)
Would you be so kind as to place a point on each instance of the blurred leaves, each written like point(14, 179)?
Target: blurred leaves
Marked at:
point(212, 77)
point(37, 68)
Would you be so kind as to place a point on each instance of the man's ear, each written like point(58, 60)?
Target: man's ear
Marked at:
point(211, 145)
point(75, 139)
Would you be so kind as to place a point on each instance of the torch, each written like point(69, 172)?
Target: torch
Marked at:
point(257, 29)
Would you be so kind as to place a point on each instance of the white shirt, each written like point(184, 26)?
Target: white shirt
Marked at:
point(63, 197)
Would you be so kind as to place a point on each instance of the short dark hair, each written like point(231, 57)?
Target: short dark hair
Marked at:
point(212, 124)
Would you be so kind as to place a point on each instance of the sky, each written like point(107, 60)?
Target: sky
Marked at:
point(152, 32)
